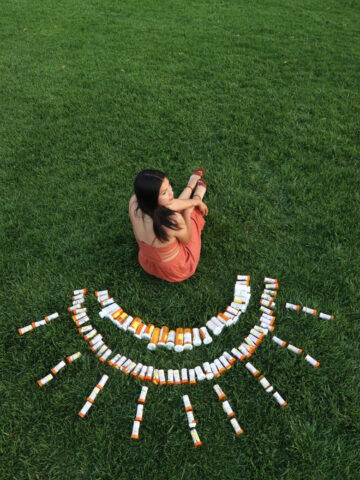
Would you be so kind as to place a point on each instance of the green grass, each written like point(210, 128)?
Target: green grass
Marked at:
point(263, 95)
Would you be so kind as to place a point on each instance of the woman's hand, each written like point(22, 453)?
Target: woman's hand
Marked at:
point(203, 208)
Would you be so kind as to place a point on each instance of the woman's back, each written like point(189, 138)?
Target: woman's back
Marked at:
point(144, 233)
point(143, 226)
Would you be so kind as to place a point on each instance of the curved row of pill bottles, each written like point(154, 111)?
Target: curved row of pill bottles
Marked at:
point(208, 370)
point(180, 339)
point(175, 377)
point(89, 333)
point(94, 338)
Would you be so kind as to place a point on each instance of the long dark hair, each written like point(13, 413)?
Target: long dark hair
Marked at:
point(147, 185)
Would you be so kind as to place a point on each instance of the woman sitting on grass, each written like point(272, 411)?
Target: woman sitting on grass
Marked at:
point(168, 230)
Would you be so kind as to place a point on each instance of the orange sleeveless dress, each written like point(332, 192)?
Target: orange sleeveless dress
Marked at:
point(184, 264)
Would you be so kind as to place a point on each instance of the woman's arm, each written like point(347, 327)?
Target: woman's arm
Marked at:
point(181, 205)
point(132, 203)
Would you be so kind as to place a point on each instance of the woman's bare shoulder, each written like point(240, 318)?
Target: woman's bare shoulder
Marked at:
point(135, 213)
